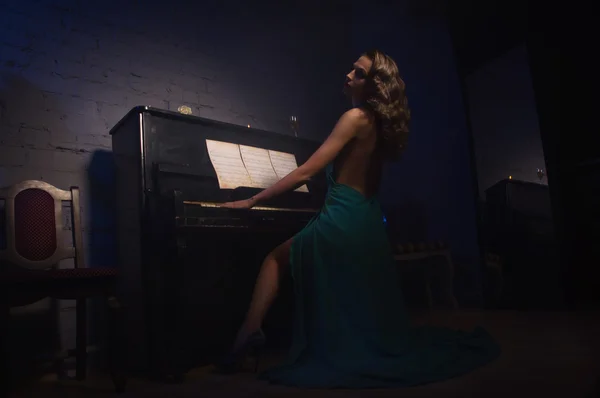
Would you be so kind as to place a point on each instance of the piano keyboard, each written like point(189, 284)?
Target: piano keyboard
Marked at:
point(261, 208)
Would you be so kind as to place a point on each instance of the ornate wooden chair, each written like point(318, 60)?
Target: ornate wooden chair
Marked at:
point(34, 243)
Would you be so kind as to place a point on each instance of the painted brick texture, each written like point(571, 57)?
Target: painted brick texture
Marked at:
point(70, 72)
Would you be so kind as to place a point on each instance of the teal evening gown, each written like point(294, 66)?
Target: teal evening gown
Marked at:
point(351, 329)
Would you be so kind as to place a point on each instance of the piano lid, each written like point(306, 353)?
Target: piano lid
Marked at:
point(136, 111)
point(176, 155)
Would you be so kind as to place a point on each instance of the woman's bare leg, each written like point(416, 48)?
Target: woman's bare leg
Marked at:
point(265, 290)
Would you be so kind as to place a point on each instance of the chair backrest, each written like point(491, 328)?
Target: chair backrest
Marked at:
point(34, 225)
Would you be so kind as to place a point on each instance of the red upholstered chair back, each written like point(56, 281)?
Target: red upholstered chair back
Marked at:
point(34, 225)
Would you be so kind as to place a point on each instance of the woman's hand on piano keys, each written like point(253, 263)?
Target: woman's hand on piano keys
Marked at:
point(240, 204)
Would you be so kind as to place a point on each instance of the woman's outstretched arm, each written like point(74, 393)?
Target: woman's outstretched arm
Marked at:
point(347, 127)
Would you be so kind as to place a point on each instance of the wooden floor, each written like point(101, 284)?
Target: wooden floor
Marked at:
point(544, 355)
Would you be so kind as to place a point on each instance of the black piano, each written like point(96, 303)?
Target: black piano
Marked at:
point(188, 266)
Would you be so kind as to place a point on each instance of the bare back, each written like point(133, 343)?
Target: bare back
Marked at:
point(359, 164)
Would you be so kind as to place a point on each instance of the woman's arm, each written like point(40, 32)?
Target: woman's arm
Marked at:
point(347, 127)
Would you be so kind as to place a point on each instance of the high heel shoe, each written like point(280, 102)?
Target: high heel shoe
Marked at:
point(253, 346)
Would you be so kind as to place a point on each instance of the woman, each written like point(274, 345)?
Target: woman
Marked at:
point(351, 330)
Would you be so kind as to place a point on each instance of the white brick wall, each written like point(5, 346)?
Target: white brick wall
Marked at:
point(69, 72)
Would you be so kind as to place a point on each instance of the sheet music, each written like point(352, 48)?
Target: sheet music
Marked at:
point(227, 161)
point(259, 167)
point(247, 166)
point(283, 164)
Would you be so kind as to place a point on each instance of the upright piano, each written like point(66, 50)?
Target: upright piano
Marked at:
point(188, 266)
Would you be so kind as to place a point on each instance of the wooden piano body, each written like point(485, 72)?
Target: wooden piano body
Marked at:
point(188, 267)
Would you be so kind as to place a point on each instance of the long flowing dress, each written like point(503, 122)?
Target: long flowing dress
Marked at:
point(351, 329)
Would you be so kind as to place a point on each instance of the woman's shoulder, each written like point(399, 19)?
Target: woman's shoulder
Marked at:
point(360, 116)
point(358, 113)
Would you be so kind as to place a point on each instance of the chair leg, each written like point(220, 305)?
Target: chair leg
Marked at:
point(117, 355)
point(81, 339)
point(5, 376)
